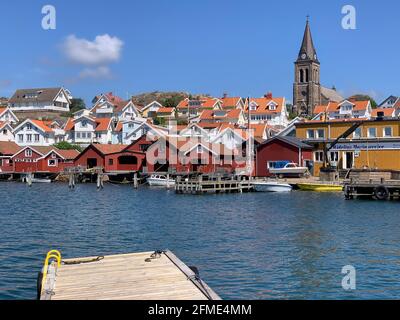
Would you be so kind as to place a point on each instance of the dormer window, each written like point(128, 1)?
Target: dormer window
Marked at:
point(253, 107)
point(272, 107)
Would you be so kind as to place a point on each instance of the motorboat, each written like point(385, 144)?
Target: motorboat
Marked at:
point(320, 187)
point(271, 186)
point(290, 170)
point(156, 180)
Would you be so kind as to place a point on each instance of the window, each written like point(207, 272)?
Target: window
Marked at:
point(53, 156)
point(29, 126)
point(321, 133)
point(358, 133)
point(5, 131)
point(110, 162)
point(334, 156)
point(387, 132)
point(84, 124)
point(310, 134)
point(78, 135)
point(83, 135)
point(28, 153)
point(37, 138)
point(28, 138)
point(319, 156)
point(52, 162)
point(371, 132)
point(199, 149)
point(20, 138)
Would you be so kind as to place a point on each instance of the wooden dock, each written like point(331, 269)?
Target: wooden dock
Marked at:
point(380, 190)
point(215, 185)
point(138, 276)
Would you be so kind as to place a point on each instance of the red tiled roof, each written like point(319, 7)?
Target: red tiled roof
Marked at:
point(335, 106)
point(210, 115)
point(387, 112)
point(230, 102)
point(263, 105)
point(207, 103)
point(165, 110)
point(109, 148)
point(44, 125)
point(68, 154)
point(103, 124)
point(9, 148)
point(69, 125)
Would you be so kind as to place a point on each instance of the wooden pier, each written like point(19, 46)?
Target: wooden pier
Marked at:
point(379, 190)
point(138, 276)
point(213, 185)
point(376, 184)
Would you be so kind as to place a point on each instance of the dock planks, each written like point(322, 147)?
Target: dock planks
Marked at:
point(125, 277)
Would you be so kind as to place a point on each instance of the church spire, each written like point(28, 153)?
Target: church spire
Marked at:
point(307, 50)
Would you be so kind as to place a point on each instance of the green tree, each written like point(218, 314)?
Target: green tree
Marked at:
point(64, 145)
point(77, 104)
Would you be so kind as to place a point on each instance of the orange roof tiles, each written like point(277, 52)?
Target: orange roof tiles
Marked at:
point(335, 106)
point(230, 102)
point(264, 103)
point(8, 148)
point(387, 112)
point(44, 125)
point(103, 124)
point(109, 148)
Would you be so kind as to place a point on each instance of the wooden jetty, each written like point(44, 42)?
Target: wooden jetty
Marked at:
point(139, 276)
point(200, 185)
point(379, 185)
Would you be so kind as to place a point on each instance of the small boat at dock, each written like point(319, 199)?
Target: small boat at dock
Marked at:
point(271, 186)
point(287, 170)
point(320, 187)
point(156, 180)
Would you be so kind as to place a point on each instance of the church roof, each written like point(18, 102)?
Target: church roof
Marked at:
point(331, 95)
point(307, 47)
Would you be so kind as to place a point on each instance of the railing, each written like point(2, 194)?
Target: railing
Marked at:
point(53, 254)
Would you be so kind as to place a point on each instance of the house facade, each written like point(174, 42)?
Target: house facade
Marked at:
point(45, 99)
point(34, 133)
point(375, 144)
point(268, 110)
point(347, 109)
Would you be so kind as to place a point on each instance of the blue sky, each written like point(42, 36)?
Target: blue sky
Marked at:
point(200, 46)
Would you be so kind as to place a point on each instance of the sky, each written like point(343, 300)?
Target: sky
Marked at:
point(243, 48)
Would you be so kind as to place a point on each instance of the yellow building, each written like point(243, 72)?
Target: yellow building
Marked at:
point(374, 144)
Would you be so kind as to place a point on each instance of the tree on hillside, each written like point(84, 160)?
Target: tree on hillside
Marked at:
point(363, 97)
point(77, 104)
point(64, 145)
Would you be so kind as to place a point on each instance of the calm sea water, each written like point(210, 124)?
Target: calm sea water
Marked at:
point(249, 246)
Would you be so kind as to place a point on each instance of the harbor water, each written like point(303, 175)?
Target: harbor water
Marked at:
point(246, 246)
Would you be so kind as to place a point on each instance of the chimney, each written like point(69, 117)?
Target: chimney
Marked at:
point(225, 95)
point(380, 115)
point(268, 95)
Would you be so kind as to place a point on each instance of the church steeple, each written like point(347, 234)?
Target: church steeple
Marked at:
point(307, 87)
point(307, 50)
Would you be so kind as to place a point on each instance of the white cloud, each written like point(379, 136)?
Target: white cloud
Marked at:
point(101, 72)
point(103, 50)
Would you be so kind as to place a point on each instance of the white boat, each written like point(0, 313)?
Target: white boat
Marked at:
point(290, 170)
point(271, 186)
point(160, 181)
point(36, 180)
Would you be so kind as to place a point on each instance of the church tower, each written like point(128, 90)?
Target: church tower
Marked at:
point(307, 87)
